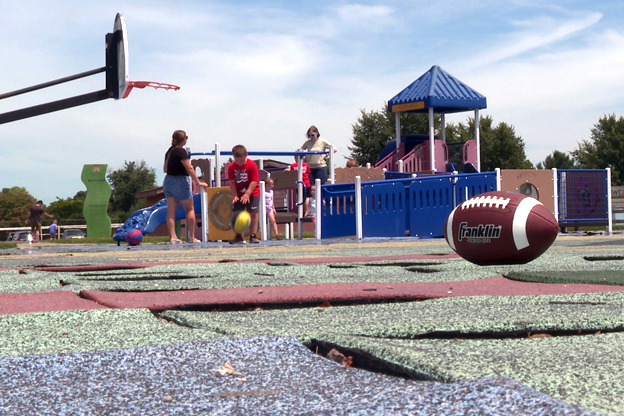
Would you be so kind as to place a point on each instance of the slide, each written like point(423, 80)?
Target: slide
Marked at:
point(148, 219)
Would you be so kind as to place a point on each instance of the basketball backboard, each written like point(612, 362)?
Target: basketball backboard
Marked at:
point(121, 37)
point(118, 84)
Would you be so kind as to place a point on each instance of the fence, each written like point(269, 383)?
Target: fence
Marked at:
point(399, 207)
point(584, 197)
point(418, 204)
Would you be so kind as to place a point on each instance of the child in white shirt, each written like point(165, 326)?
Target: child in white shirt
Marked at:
point(311, 208)
point(270, 206)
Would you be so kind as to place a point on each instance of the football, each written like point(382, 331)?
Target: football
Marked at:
point(500, 228)
point(242, 222)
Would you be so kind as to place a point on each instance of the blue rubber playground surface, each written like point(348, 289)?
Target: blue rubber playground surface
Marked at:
point(381, 326)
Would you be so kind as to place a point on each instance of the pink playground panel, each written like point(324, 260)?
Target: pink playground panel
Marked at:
point(470, 152)
point(389, 162)
point(418, 159)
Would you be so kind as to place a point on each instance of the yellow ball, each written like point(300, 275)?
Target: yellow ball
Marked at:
point(242, 223)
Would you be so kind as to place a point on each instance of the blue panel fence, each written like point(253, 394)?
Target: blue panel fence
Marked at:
point(431, 202)
point(338, 210)
point(383, 209)
point(398, 207)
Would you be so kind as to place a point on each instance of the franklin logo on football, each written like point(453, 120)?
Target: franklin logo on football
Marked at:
point(479, 234)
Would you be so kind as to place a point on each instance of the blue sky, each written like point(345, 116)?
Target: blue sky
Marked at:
point(261, 72)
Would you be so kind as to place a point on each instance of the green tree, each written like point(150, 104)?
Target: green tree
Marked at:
point(69, 208)
point(557, 160)
point(500, 147)
point(604, 149)
point(375, 129)
point(14, 205)
point(125, 182)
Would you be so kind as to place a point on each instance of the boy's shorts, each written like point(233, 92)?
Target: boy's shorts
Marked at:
point(253, 206)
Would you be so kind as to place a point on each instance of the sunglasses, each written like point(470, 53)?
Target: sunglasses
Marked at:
point(312, 134)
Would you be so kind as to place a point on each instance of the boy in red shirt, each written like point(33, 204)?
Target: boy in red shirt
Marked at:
point(243, 180)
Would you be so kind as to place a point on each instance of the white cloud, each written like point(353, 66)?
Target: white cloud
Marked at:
point(364, 15)
point(533, 36)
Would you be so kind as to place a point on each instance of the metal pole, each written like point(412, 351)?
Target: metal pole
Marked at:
point(218, 164)
point(555, 192)
point(358, 208)
point(332, 177)
point(263, 213)
point(478, 139)
point(52, 83)
point(46, 108)
point(609, 207)
point(455, 173)
point(204, 213)
point(300, 198)
point(431, 141)
point(397, 127)
point(317, 210)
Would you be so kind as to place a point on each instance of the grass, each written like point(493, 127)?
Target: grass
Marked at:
point(105, 240)
point(599, 228)
point(109, 240)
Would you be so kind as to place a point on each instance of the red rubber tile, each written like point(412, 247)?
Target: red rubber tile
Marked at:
point(11, 303)
point(337, 292)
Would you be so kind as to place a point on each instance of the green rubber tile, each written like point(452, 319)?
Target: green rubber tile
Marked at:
point(595, 277)
point(72, 331)
point(502, 315)
point(11, 281)
point(232, 275)
point(581, 370)
point(280, 273)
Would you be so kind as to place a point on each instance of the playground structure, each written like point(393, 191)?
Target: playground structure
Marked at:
point(414, 151)
point(434, 92)
point(421, 183)
point(405, 204)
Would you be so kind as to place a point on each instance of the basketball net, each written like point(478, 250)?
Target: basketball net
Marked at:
point(143, 84)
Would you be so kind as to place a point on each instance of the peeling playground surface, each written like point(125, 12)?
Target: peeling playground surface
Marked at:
point(462, 322)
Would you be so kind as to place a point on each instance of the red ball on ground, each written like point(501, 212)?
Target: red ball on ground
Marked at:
point(134, 237)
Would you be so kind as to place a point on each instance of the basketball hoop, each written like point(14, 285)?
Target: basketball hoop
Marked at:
point(118, 84)
point(143, 84)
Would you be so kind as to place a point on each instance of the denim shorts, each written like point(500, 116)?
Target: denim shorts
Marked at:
point(177, 187)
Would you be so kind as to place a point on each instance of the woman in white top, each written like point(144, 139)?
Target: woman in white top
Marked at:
point(318, 166)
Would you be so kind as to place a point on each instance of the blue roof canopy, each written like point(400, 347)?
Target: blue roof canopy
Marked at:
point(439, 90)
